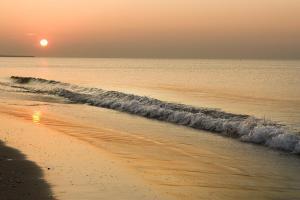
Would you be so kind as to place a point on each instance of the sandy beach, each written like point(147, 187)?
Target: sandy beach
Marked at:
point(75, 169)
point(84, 152)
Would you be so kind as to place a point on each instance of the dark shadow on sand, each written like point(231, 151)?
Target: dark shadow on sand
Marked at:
point(21, 179)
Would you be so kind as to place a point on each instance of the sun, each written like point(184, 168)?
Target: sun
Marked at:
point(44, 42)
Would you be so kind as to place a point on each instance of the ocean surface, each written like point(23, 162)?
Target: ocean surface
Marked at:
point(255, 104)
point(265, 89)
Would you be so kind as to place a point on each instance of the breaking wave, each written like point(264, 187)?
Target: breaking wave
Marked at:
point(243, 127)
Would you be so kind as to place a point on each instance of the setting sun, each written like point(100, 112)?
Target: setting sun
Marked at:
point(44, 43)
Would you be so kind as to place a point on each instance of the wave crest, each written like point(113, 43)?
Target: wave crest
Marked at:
point(243, 127)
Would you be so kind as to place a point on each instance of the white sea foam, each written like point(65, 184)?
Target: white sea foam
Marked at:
point(243, 127)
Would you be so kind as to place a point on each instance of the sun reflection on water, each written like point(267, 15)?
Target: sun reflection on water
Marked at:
point(36, 117)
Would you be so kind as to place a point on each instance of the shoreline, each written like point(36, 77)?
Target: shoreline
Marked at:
point(243, 127)
point(91, 155)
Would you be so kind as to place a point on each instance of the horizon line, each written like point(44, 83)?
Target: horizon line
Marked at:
point(149, 57)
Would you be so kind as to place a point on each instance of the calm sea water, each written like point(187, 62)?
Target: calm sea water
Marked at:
point(263, 88)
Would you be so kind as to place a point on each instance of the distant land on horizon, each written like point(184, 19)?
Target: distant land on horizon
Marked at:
point(16, 56)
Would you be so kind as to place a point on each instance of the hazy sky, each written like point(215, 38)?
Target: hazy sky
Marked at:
point(152, 28)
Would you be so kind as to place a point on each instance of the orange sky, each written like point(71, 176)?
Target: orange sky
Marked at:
point(152, 28)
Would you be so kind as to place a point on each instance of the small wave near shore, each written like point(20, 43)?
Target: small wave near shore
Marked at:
point(242, 127)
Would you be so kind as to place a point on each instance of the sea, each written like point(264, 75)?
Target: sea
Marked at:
point(242, 109)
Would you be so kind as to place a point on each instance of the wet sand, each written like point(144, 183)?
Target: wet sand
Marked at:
point(21, 178)
point(94, 153)
point(73, 168)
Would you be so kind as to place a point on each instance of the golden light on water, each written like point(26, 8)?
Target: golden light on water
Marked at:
point(36, 117)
